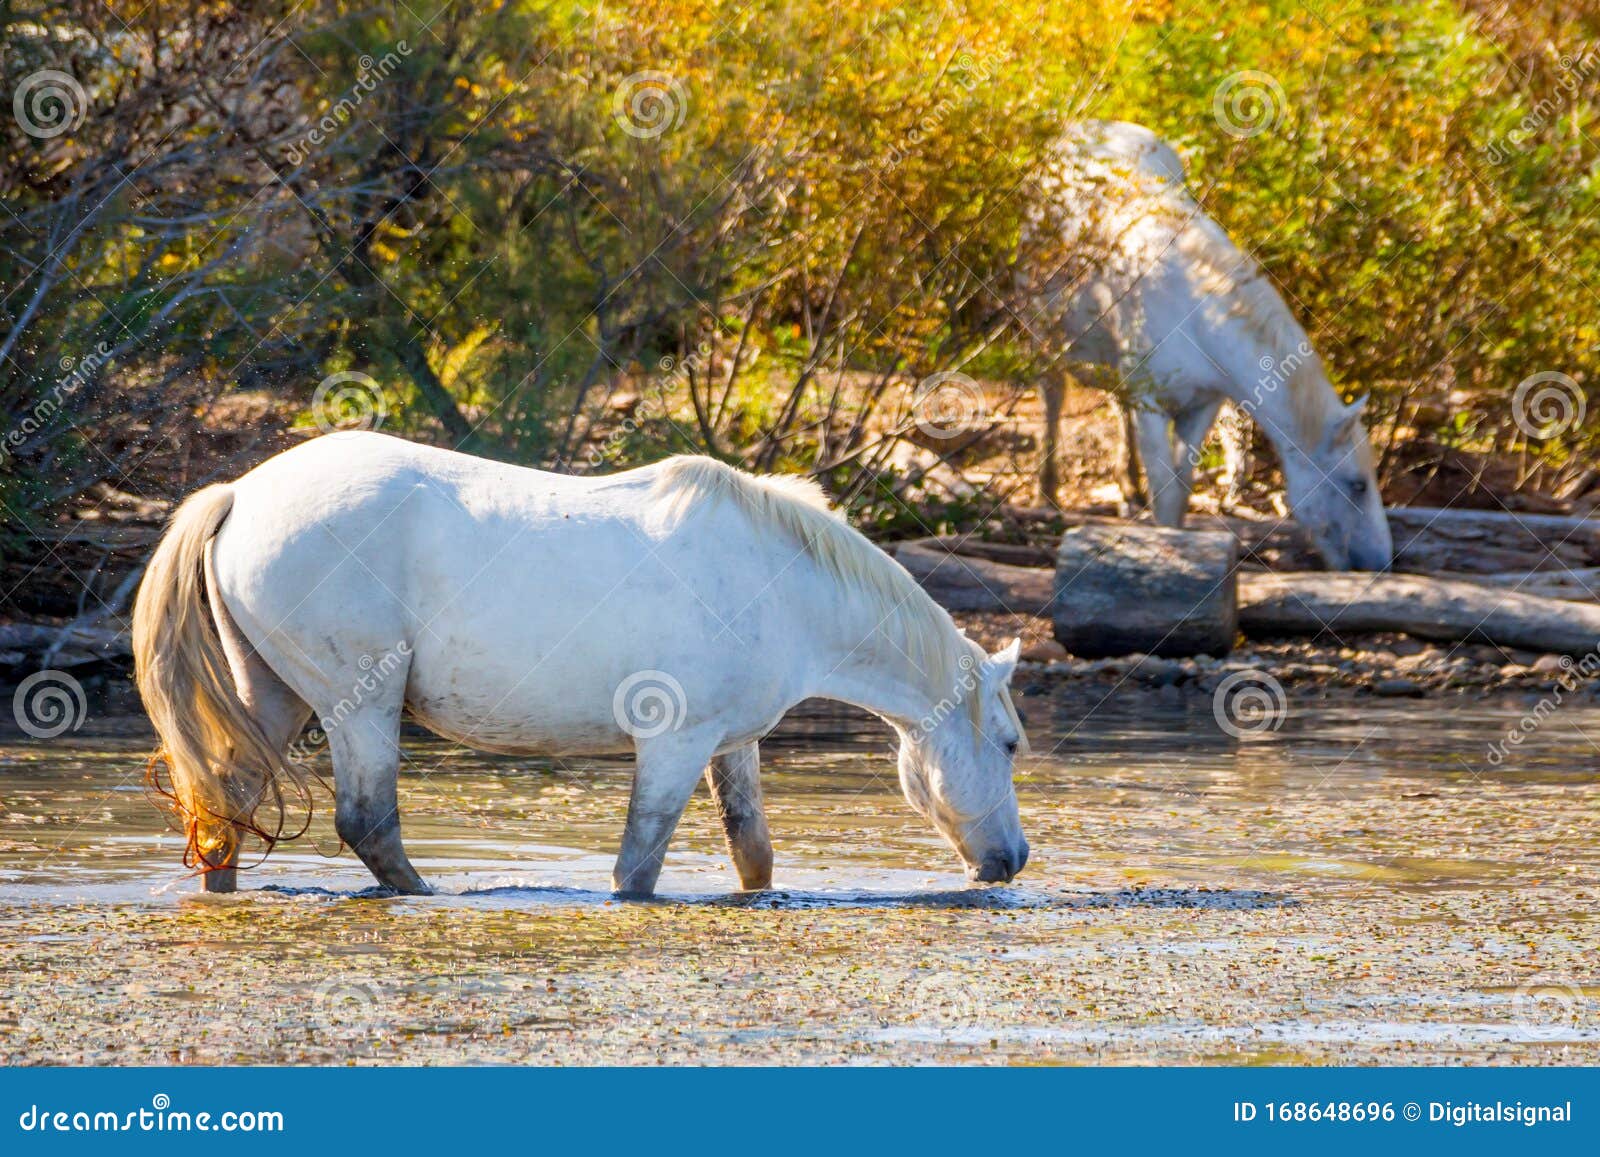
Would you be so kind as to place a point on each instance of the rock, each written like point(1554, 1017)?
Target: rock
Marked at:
point(1157, 672)
point(1397, 688)
point(1044, 651)
point(1552, 664)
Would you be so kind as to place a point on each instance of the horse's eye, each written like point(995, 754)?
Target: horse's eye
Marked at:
point(1011, 748)
point(1359, 487)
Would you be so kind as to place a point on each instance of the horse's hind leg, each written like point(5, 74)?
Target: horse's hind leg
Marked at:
point(667, 768)
point(366, 772)
point(1233, 430)
point(278, 711)
point(735, 780)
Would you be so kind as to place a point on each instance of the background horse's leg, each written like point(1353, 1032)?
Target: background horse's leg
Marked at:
point(366, 770)
point(666, 769)
point(1168, 496)
point(1189, 432)
point(1233, 430)
point(735, 780)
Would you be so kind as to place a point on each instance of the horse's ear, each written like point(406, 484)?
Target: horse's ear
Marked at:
point(1347, 425)
point(1003, 663)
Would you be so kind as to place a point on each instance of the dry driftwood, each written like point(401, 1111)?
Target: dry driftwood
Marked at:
point(1495, 521)
point(95, 636)
point(1136, 587)
point(1443, 610)
point(1538, 616)
point(1580, 585)
point(40, 645)
point(961, 582)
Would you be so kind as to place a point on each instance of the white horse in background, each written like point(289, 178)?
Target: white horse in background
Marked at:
point(1183, 321)
point(674, 612)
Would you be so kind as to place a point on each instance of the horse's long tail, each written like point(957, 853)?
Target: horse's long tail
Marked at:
point(222, 766)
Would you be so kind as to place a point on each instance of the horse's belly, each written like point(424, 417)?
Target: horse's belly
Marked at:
point(520, 690)
point(469, 719)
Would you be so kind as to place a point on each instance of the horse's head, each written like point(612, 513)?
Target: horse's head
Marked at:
point(1332, 487)
point(955, 768)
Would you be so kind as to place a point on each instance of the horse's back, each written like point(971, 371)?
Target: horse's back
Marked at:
point(521, 598)
point(1169, 284)
point(1120, 146)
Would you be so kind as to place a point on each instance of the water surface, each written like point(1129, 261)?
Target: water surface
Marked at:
point(1360, 884)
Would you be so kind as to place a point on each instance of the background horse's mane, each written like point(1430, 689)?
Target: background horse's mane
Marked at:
point(1223, 270)
point(921, 629)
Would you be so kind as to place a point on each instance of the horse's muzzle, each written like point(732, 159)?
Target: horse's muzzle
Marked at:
point(999, 867)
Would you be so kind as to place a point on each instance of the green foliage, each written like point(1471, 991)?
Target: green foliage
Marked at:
point(766, 220)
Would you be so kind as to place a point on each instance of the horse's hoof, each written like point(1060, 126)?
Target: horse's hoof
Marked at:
point(391, 891)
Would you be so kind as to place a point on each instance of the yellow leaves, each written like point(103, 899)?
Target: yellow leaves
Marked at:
point(457, 356)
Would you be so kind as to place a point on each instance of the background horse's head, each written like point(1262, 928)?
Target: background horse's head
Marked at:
point(1332, 487)
point(956, 768)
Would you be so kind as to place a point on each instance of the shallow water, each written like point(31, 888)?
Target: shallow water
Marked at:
point(1360, 885)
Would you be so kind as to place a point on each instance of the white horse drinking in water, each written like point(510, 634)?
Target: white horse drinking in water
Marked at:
point(1184, 321)
point(675, 612)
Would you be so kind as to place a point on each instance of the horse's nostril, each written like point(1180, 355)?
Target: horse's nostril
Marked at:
point(1000, 867)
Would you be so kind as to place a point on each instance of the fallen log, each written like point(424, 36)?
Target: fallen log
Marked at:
point(38, 645)
point(1495, 521)
point(1137, 587)
point(1441, 610)
point(1580, 585)
point(960, 582)
point(94, 637)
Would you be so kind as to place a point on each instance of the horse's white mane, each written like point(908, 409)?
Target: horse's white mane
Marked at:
point(921, 629)
point(1223, 270)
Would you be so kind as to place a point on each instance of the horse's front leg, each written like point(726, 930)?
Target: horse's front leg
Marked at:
point(1168, 495)
point(665, 771)
point(1189, 430)
point(735, 780)
point(366, 772)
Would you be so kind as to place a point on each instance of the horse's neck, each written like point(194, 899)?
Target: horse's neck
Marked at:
point(865, 681)
point(855, 659)
point(1294, 415)
point(1275, 375)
